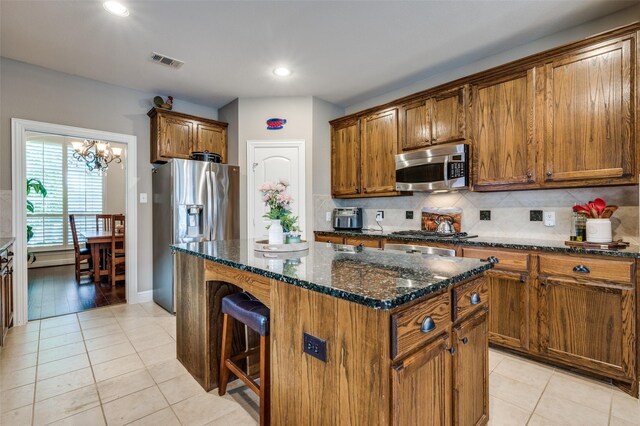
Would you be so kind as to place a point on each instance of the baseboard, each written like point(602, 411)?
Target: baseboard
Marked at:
point(50, 262)
point(144, 296)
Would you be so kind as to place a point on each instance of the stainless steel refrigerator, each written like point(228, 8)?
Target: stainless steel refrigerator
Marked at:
point(193, 201)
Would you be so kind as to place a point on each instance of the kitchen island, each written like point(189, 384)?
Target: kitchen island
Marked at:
point(403, 338)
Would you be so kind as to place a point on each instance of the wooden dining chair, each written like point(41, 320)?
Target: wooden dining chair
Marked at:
point(81, 253)
point(103, 222)
point(116, 257)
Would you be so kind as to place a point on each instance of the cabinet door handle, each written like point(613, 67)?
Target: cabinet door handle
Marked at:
point(428, 324)
point(9, 253)
point(523, 278)
point(474, 298)
point(529, 175)
point(493, 259)
point(464, 340)
point(451, 350)
point(549, 173)
point(581, 269)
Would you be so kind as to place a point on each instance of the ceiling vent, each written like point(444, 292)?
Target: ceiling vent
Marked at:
point(165, 60)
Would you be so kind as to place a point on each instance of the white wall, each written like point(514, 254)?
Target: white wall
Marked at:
point(35, 93)
point(229, 114)
point(252, 116)
point(624, 17)
point(323, 112)
point(115, 186)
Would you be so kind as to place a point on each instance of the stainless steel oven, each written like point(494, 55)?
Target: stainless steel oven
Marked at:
point(439, 168)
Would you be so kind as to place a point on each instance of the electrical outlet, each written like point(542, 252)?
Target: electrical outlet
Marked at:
point(549, 218)
point(535, 215)
point(408, 214)
point(485, 214)
point(379, 215)
point(143, 197)
point(327, 216)
point(315, 346)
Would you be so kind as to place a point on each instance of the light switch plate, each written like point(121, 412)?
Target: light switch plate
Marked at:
point(327, 216)
point(549, 218)
point(143, 197)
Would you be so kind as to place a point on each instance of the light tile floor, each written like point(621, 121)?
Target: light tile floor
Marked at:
point(116, 366)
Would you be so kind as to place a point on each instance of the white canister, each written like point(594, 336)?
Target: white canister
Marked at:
point(599, 231)
point(276, 232)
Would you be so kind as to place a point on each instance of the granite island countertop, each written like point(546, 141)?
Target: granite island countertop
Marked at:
point(6, 242)
point(373, 278)
point(500, 242)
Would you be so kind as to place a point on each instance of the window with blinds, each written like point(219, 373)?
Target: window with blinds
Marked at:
point(70, 190)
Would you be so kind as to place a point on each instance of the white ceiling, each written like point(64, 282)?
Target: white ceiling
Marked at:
point(343, 52)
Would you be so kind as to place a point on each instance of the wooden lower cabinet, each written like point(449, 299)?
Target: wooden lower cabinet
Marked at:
point(421, 386)
point(509, 314)
point(329, 239)
point(590, 325)
point(6, 293)
point(471, 371)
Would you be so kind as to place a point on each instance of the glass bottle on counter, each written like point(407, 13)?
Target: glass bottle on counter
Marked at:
point(578, 230)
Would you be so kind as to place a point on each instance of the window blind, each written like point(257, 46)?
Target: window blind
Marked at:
point(70, 190)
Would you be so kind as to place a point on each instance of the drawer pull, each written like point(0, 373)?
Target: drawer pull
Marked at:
point(4, 260)
point(428, 324)
point(581, 269)
point(9, 253)
point(464, 340)
point(474, 298)
point(493, 259)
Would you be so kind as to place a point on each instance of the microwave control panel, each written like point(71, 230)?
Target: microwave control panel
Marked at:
point(457, 169)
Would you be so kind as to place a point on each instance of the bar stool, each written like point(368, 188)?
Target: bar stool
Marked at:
point(250, 311)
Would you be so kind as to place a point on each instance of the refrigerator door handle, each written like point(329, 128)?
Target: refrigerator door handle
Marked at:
point(207, 229)
point(214, 201)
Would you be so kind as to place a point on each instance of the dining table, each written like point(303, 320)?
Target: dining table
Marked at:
point(100, 243)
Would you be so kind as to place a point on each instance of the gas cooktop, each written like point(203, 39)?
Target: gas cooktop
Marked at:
point(433, 234)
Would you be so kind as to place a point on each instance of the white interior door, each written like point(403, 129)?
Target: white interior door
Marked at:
point(269, 161)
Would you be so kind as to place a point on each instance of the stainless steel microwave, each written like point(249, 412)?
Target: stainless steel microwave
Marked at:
point(440, 168)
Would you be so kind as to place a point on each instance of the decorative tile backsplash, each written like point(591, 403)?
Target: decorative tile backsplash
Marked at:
point(510, 211)
point(5, 213)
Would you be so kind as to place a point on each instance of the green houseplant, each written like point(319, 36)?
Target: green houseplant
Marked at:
point(35, 186)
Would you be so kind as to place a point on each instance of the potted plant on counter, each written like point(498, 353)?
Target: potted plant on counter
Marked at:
point(291, 229)
point(598, 215)
point(278, 201)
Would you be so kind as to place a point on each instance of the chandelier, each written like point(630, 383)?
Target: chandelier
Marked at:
point(96, 155)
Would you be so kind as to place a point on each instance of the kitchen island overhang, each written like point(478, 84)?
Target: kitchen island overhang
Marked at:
point(379, 314)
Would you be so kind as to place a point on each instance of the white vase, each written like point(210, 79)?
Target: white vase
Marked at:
point(599, 231)
point(276, 233)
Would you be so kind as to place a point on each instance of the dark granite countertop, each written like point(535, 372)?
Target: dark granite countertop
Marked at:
point(373, 278)
point(6, 242)
point(511, 243)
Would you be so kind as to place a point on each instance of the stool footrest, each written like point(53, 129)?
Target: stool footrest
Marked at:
point(245, 354)
point(242, 376)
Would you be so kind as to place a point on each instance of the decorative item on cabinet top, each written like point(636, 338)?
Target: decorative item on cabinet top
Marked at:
point(276, 123)
point(161, 103)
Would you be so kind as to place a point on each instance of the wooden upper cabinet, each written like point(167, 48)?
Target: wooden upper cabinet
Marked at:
point(589, 122)
point(379, 142)
point(502, 131)
point(345, 159)
point(438, 119)
point(416, 126)
point(448, 116)
point(211, 138)
point(177, 135)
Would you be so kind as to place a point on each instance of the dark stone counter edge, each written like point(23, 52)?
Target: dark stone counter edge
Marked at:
point(341, 294)
point(6, 242)
point(478, 242)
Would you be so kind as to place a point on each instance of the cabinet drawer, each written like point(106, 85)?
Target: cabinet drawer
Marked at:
point(471, 296)
point(367, 242)
point(507, 260)
point(418, 324)
point(620, 271)
point(329, 239)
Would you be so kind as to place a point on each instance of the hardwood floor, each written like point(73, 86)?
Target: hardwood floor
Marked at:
point(53, 291)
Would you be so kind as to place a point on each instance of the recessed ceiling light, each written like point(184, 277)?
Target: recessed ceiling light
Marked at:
point(116, 8)
point(282, 72)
